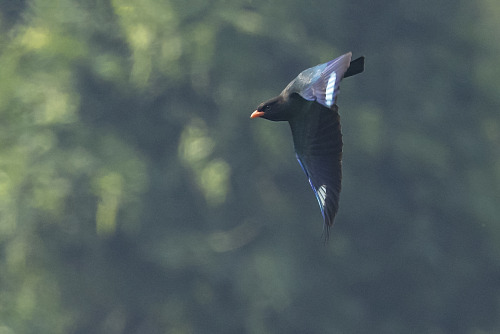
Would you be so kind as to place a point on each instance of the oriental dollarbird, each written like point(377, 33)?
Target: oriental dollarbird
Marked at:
point(308, 103)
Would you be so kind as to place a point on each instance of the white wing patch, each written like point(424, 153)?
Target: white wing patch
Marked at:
point(321, 195)
point(330, 89)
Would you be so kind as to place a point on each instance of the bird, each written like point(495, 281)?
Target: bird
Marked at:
point(308, 104)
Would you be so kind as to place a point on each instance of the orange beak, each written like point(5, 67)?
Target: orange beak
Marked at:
point(256, 114)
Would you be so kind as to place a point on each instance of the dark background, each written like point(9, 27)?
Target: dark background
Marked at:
point(137, 196)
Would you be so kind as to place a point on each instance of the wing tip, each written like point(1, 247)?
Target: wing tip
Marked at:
point(327, 226)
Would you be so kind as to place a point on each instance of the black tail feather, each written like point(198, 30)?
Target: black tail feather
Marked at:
point(356, 66)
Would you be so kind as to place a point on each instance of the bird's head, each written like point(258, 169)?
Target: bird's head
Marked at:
point(275, 109)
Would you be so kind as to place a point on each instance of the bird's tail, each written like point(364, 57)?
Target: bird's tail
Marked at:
point(355, 67)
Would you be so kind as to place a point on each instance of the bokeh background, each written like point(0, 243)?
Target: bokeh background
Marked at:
point(136, 195)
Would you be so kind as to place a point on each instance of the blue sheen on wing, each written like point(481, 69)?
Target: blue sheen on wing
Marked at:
point(324, 176)
point(320, 83)
point(321, 199)
point(318, 146)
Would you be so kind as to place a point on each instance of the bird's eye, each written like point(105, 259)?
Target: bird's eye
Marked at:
point(267, 108)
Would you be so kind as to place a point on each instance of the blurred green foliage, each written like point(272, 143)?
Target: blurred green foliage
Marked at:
point(136, 195)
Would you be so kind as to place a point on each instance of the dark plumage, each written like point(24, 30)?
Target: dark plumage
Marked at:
point(308, 104)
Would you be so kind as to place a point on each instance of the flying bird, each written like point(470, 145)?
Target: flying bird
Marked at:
point(308, 103)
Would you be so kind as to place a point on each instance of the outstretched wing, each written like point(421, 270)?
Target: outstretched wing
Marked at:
point(318, 145)
point(321, 83)
point(326, 88)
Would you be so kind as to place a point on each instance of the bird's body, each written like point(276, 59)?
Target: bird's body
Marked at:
point(308, 104)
